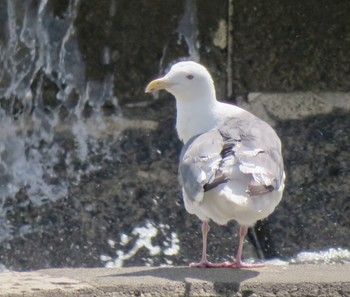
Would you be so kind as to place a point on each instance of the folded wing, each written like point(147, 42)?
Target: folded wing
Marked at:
point(238, 147)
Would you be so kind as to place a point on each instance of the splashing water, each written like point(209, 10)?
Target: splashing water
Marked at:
point(330, 256)
point(142, 237)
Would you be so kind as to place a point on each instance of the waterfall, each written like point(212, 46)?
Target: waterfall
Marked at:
point(45, 96)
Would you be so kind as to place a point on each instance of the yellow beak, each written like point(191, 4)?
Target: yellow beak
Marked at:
point(157, 84)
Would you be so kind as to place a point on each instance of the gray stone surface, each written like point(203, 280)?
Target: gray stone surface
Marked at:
point(270, 281)
point(290, 46)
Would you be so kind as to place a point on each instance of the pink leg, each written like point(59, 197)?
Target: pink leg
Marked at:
point(239, 264)
point(204, 263)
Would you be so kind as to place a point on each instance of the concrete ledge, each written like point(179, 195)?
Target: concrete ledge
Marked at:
point(284, 280)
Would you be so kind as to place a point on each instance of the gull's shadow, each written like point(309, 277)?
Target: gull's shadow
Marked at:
point(225, 280)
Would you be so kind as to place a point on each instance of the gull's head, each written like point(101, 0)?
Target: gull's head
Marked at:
point(186, 81)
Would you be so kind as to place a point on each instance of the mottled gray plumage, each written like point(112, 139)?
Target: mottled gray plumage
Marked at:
point(238, 147)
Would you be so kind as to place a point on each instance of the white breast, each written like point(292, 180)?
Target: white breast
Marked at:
point(194, 117)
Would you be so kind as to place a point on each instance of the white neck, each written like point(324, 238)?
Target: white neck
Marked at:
point(195, 116)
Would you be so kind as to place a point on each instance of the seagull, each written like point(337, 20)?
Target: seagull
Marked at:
point(231, 165)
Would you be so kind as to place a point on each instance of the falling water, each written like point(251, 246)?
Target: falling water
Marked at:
point(188, 29)
point(48, 107)
point(39, 53)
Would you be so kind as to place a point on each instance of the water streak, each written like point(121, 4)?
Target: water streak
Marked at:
point(188, 29)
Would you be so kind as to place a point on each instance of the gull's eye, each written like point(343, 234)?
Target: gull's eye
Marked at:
point(190, 76)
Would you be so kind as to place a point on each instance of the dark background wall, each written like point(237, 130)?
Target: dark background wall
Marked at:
point(99, 155)
point(276, 46)
point(291, 46)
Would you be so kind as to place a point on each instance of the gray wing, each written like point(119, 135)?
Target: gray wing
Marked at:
point(247, 147)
